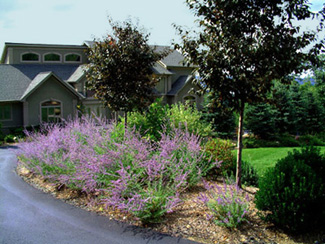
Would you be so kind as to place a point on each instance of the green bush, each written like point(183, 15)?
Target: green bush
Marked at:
point(10, 138)
point(313, 158)
point(151, 123)
point(286, 140)
point(311, 140)
point(219, 150)
point(252, 142)
point(161, 118)
point(292, 193)
point(283, 140)
point(188, 118)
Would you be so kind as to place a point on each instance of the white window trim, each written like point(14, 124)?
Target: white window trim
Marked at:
point(30, 61)
point(49, 100)
point(72, 62)
point(60, 61)
point(11, 114)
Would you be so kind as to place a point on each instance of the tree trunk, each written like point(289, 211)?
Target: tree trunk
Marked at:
point(240, 144)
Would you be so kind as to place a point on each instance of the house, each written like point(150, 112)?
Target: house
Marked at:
point(45, 83)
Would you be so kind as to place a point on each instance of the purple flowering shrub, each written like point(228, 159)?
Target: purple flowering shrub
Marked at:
point(228, 204)
point(132, 174)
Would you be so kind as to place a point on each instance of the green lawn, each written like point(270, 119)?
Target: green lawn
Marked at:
point(263, 158)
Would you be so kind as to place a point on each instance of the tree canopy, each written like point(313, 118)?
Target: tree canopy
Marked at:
point(244, 45)
point(120, 68)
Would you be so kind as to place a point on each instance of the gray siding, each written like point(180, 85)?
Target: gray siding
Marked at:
point(185, 92)
point(180, 72)
point(16, 116)
point(15, 56)
point(51, 89)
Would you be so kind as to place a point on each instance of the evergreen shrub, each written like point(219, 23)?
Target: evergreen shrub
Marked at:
point(292, 194)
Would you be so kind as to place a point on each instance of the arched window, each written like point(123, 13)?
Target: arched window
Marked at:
point(30, 57)
point(189, 100)
point(73, 58)
point(52, 57)
point(51, 111)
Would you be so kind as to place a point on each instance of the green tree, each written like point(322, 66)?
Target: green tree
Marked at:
point(243, 45)
point(260, 119)
point(281, 99)
point(220, 116)
point(319, 75)
point(120, 68)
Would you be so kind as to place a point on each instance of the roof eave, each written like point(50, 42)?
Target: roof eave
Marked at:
point(4, 54)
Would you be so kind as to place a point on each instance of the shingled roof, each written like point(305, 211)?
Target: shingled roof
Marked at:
point(32, 70)
point(179, 84)
point(18, 80)
point(13, 83)
point(173, 59)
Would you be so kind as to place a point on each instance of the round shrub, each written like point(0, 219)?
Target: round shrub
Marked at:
point(292, 194)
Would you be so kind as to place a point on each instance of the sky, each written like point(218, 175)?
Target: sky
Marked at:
point(74, 21)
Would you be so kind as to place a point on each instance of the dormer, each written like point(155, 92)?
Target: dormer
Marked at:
point(24, 53)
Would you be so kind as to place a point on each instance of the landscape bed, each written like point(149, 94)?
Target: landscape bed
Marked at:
point(188, 220)
point(115, 172)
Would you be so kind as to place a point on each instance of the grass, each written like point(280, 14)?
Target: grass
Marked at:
point(264, 158)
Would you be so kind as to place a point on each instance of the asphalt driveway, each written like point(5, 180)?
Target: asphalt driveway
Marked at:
point(28, 215)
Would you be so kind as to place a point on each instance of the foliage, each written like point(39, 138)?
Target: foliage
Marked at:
point(130, 173)
point(219, 150)
point(161, 118)
point(189, 118)
point(120, 68)
point(228, 204)
point(313, 158)
point(299, 108)
point(283, 140)
point(221, 118)
point(250, 176)
point(10, 138)
point(311, 140)
point(260, 120)
point(244, 45)
point(292, 193)
point(222, 151)
point(253, 142)
point(319, 74)
point(152, 122)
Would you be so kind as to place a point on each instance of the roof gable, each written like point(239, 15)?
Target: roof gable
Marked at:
point(40, 79)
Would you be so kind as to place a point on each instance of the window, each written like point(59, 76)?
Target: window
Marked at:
point(5, 112)
point(72, 57)
point(51, 112)
point(30, 57)
point(52, 57)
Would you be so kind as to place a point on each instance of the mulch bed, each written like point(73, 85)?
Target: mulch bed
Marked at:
point(188, 220)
